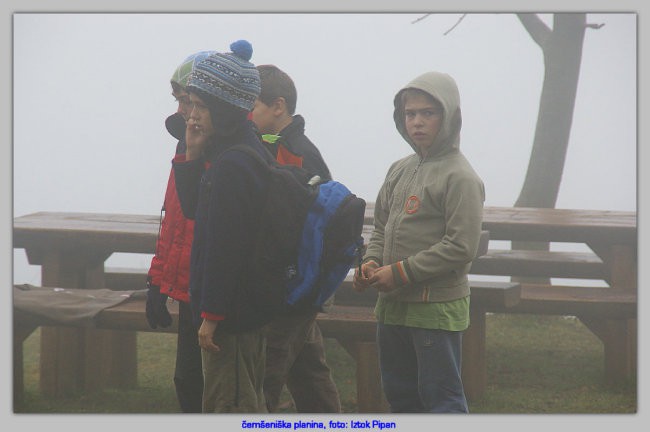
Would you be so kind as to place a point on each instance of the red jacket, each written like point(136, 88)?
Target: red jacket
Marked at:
point(170, 266)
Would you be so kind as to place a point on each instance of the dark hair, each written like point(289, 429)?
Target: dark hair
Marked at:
point(411, 91)
point(226, 117)
point(177, 88)
point(276, 83)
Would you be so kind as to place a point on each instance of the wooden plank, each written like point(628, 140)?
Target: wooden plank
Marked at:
point(581, 265)
point(130, 316)
point(126, 279)
point(602, 302)
point(562, 225)
point(494, 294)
point(90, 231)
point(573, 225)
point(346, 296)
point(351, 322)
point(137, 233)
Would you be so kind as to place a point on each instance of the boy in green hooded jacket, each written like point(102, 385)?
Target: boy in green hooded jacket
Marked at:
point(428, 216)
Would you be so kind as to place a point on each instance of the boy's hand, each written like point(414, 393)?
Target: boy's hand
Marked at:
point(195, 139)
point(382, 279)
point(206, 335)
point(362, 281)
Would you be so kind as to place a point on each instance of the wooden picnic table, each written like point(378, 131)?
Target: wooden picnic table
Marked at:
point(71, 249)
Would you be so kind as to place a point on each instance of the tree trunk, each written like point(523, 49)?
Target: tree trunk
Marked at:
point(562, 50)
point(562, 57)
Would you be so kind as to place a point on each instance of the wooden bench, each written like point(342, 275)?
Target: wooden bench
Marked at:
point(350, 321)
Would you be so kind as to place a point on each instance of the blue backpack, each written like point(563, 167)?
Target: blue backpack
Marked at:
point(308, 238)
point(330, 244)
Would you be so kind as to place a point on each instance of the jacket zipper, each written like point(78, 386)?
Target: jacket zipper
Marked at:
point(402, 198)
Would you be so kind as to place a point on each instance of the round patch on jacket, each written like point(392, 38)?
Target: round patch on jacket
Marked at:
point(412, 204)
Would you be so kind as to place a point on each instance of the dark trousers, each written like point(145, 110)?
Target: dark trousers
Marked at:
point(295, 356)
point(188, 374)
point(421, 369)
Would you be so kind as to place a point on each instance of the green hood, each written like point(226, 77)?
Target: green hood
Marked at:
point(443, 88)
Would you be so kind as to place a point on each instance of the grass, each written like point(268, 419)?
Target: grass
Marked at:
point(536, 364)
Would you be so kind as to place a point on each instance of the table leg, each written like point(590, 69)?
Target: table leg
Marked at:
point(474, 362)
point(370, 396)
point(619, 338)
point(82, 359)
point(22, 329)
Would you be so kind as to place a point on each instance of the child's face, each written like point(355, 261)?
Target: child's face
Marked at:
point(423, 118)
point(263, 117)
point(184, 105)
point(199, 117)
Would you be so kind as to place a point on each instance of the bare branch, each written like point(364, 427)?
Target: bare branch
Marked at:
point(420, 19)
point(535, 27)
point(455, 25)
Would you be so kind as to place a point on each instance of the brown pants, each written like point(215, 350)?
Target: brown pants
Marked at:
point(295, 356)
point(233, 377)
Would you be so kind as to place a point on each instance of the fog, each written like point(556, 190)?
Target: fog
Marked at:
point(91, 93)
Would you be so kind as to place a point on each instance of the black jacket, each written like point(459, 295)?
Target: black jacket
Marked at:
point(294, 139)
point(223, 193)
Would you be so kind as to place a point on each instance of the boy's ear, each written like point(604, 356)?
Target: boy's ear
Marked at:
point(279, 105)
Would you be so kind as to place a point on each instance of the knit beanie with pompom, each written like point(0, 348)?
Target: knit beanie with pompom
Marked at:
point(229, 77)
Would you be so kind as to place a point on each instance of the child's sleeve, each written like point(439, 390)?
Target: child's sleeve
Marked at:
point(188, 179)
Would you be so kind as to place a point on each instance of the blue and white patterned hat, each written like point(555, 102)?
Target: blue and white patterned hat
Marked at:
point(229, 76)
